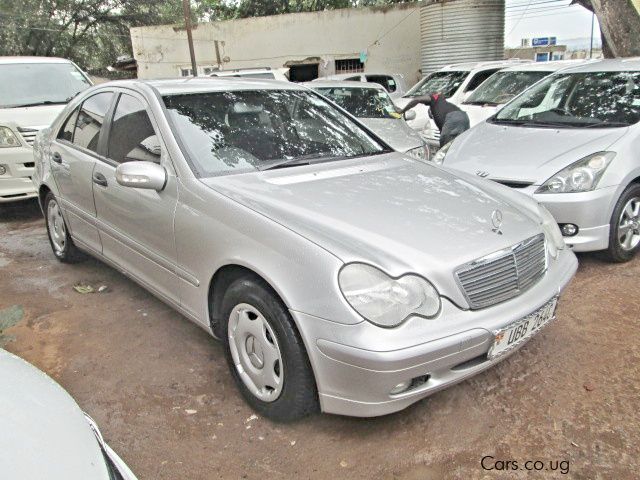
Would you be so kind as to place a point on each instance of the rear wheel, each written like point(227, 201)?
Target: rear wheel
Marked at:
point(265, 353)
point(61, 243)
point(624, 237)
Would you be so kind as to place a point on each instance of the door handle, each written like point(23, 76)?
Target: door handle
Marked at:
point(100, 179)
point(56, 157)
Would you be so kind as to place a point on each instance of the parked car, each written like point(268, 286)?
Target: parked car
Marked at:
point(505, 84)
point(34, 91)
point(45, 434)
point(571, 142)
point(393, 83)
point(371, 104)
point(262, 72)
point(339, 273)
point(456, 82)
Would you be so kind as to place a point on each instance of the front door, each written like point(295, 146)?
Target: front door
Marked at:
point(136, 225)
point(73, 157)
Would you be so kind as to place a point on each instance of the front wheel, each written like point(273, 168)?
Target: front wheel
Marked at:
point(624, 237)
point(265, 353)
point(61, 243)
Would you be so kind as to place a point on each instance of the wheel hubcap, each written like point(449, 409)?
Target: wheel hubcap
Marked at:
point(629, 225)
point(57, 228)
point(255, 352)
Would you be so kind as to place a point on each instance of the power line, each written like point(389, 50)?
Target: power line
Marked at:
point(518, 5)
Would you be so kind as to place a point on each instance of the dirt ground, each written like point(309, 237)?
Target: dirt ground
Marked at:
point(141, 371)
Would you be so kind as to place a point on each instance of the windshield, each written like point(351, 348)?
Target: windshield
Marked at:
point(445, 83)
point(243, 131)
point(30, 84)
point(503, 86)
point(578, 100)
point(362, 102)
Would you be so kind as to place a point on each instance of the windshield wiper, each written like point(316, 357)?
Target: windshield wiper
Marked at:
point(303, 160)
point(482, 102)
point(605, 123)
point(45, 102)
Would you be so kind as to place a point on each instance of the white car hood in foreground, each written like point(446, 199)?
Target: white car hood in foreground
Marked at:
point(43, 432)
point(40, 116)
point(527, 154)
point(395, 132)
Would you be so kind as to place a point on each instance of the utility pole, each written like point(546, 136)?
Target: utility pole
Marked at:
point(186, 6)
point(593, 17)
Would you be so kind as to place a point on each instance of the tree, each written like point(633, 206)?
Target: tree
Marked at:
point(619, 25)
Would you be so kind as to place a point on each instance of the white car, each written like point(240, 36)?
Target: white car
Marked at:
point(571, 142)
point(262, 73)
point(45, 434)
point(455, 82)
point(34, 91)
point(506, 84)
point(393, 83)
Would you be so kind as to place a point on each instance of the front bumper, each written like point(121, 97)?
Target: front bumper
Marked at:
point(357, 366)
point(590, 211)
point(16, 183)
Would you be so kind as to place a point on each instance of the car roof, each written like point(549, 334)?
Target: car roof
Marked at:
point(629, 64)
point(469, 66)
point(552, 66)
point(13, 60)
point(174, 86)
point(343, 84)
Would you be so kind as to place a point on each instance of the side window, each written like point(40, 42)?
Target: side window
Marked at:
point(66, 132)
point(90, 120)
point(132, 137)
point(478, 79)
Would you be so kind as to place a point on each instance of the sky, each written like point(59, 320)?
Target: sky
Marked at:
point(544, 18)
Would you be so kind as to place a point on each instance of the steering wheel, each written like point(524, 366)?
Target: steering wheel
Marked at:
point(504, 98)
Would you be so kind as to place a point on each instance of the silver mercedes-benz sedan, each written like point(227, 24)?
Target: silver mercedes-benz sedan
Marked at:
point(340, 275)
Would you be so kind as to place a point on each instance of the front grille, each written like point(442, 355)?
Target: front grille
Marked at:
point(29, 134)
point(504, 274)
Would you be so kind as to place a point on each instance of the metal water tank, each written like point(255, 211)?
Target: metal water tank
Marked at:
point(453, 31)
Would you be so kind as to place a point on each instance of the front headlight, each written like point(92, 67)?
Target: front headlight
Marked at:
point(581, 176)
point(387, 301)
point(8, 139)
point(438, 158)
point(555, 240)
point(419, 153)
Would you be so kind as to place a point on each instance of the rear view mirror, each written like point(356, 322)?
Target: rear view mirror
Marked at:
point(146, 175)
point(410, 115)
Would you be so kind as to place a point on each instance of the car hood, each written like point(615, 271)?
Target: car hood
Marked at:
point(44, 432)
point(395, 132)
point(32, 117)
point(398, 213)
point(526, 154)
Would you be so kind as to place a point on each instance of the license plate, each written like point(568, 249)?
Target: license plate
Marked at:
point(519, 332)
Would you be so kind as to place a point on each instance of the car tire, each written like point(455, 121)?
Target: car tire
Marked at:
point(265, 353)
point(624, 236)
point(61, 243)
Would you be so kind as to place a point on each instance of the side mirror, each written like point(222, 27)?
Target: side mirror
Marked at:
point(146, 175)
point(410, 115)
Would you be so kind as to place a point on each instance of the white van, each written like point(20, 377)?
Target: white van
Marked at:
point(506, 84)
point(571, 142)
point(456, 82)
point(34, 90)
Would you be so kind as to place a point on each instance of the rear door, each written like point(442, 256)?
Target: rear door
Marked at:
point(136, 225)
point(73, 157)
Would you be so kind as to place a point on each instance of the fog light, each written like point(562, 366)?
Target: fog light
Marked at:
point(569, 229)
point(401, 387)
point(3, 169)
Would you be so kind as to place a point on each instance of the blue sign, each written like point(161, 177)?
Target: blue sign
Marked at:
point(543, 41)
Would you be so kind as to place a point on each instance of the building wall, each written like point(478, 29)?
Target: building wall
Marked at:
point(389, 36)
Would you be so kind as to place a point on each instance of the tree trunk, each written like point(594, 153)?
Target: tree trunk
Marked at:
point(619, 25)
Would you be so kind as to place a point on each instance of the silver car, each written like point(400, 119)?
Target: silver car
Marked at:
point(339, 274)
point(371, 104)
point(571, 142)
point(45, 434)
